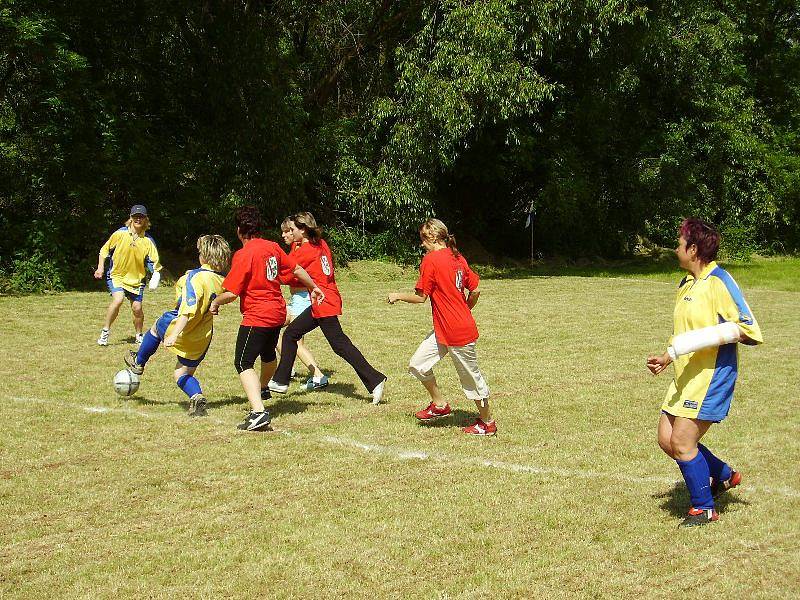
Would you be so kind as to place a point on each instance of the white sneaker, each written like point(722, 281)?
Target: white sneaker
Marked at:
point(277, 387)
point(139, 338)
point(103, 339)
point(377, 393)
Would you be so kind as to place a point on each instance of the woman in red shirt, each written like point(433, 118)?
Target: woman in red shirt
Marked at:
point(315, 257)
point(254, 279)
point(443, 277)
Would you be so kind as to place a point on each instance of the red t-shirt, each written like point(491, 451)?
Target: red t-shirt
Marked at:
point(291, 280)
point(253, 277)
point(443, 277)
point(317, 261)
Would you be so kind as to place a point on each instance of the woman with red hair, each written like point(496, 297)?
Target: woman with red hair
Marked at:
point(711, 316)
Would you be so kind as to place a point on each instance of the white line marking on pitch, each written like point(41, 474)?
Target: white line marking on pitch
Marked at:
point(405, 454)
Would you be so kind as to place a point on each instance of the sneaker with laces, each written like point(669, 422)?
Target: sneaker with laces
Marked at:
point(130, 362)
point(699, 516)
point(103, 339)
point(433, 412)
point(481, 428)
point(265, 394)
point(197, 406)
point(255, 421)
point(377, 393)
point(314, 383)
point(139, 338)
point(720, 487)
point(278, 388)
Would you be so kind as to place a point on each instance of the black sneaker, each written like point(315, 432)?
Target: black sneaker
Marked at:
point(130, 362)
point(266, 394)
point(720, 487)
point(255, 421)
point(197, 406)
point(698, 517)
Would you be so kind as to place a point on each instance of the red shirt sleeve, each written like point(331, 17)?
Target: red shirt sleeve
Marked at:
point(471, 279)
point(238, 276)
point(286, 267)
point(426, 281)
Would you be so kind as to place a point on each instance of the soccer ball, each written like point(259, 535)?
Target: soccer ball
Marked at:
point(126, 382)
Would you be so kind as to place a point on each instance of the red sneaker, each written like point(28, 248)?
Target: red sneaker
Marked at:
point(719, 487)
point(481, 428)
point(699, 516)
point(433, 412)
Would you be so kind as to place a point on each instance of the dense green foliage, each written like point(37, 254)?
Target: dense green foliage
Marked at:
point(611, 118)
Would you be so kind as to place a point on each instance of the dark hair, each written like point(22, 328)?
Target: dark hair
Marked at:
point(703, 235)
point(248, 220)
point(306, 223)
point(436, 231)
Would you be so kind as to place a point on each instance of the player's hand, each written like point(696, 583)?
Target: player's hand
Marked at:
point(317, 295)
point(657, 363)
point(392, 298)
point(170, 340)
point(98, 274)
point(213, 308)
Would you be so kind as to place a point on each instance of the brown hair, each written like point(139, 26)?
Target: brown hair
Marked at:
point(306, 223)
point(248, 221)
point(436, 231)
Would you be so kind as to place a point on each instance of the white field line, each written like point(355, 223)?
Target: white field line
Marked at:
point(410, 454)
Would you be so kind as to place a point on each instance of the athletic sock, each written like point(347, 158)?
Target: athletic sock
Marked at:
point(719, 469)
point(189, 385)
point(696, 475)
point(147, 348)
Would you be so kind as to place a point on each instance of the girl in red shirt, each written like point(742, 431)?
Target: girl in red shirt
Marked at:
point(315, 257)
point(443, 277)
point(254, 279)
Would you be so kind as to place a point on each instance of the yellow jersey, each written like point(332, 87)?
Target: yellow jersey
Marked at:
point(704, 380)
point(193, 295)
point(131, 257)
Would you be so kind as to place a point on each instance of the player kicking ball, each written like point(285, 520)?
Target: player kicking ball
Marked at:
point(187, 329)
point(444, 276)
point(711, 317)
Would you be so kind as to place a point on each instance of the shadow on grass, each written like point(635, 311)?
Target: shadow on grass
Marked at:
point(458, 418)
point(675, 501)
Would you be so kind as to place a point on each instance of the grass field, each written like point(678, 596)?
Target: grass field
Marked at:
point(107, 497)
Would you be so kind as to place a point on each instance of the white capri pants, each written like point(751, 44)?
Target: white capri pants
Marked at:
point(465, 360)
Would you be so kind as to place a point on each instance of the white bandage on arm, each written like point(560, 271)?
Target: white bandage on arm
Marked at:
point(707, 337)
point(154, 279)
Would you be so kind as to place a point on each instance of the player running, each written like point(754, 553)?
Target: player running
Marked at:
point(254, 278)
point(187, 329)
point(710, 317)
point(315, 256)
point(133, 252)
point(300, 301)
point(443, 276)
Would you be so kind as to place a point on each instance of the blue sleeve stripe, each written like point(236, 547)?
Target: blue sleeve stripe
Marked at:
point(733, 289)
point(191, 295)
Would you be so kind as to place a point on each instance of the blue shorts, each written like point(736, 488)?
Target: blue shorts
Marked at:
point(300, 301)
point(161, 329)
point(138, 297)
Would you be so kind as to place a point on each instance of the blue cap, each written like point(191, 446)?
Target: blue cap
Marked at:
point(138, 209)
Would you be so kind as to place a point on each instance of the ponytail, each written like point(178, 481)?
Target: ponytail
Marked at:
point(436, 231)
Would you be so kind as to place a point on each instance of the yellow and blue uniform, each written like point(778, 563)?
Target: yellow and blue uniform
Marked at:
point(194, 293)
point(704, 380)
point(131, 257)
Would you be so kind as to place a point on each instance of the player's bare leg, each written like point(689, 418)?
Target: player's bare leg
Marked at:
point(138, 317)
point(434, 391)
point(267, 371)
point(117, 298)
point(483, 409)
point(252, 389)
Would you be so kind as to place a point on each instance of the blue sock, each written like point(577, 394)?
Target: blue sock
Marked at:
point(189, 385)
point(147, 348)
point(719, 469)
point(695, 473)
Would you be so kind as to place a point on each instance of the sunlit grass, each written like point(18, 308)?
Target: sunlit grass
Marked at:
point(572, 499)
